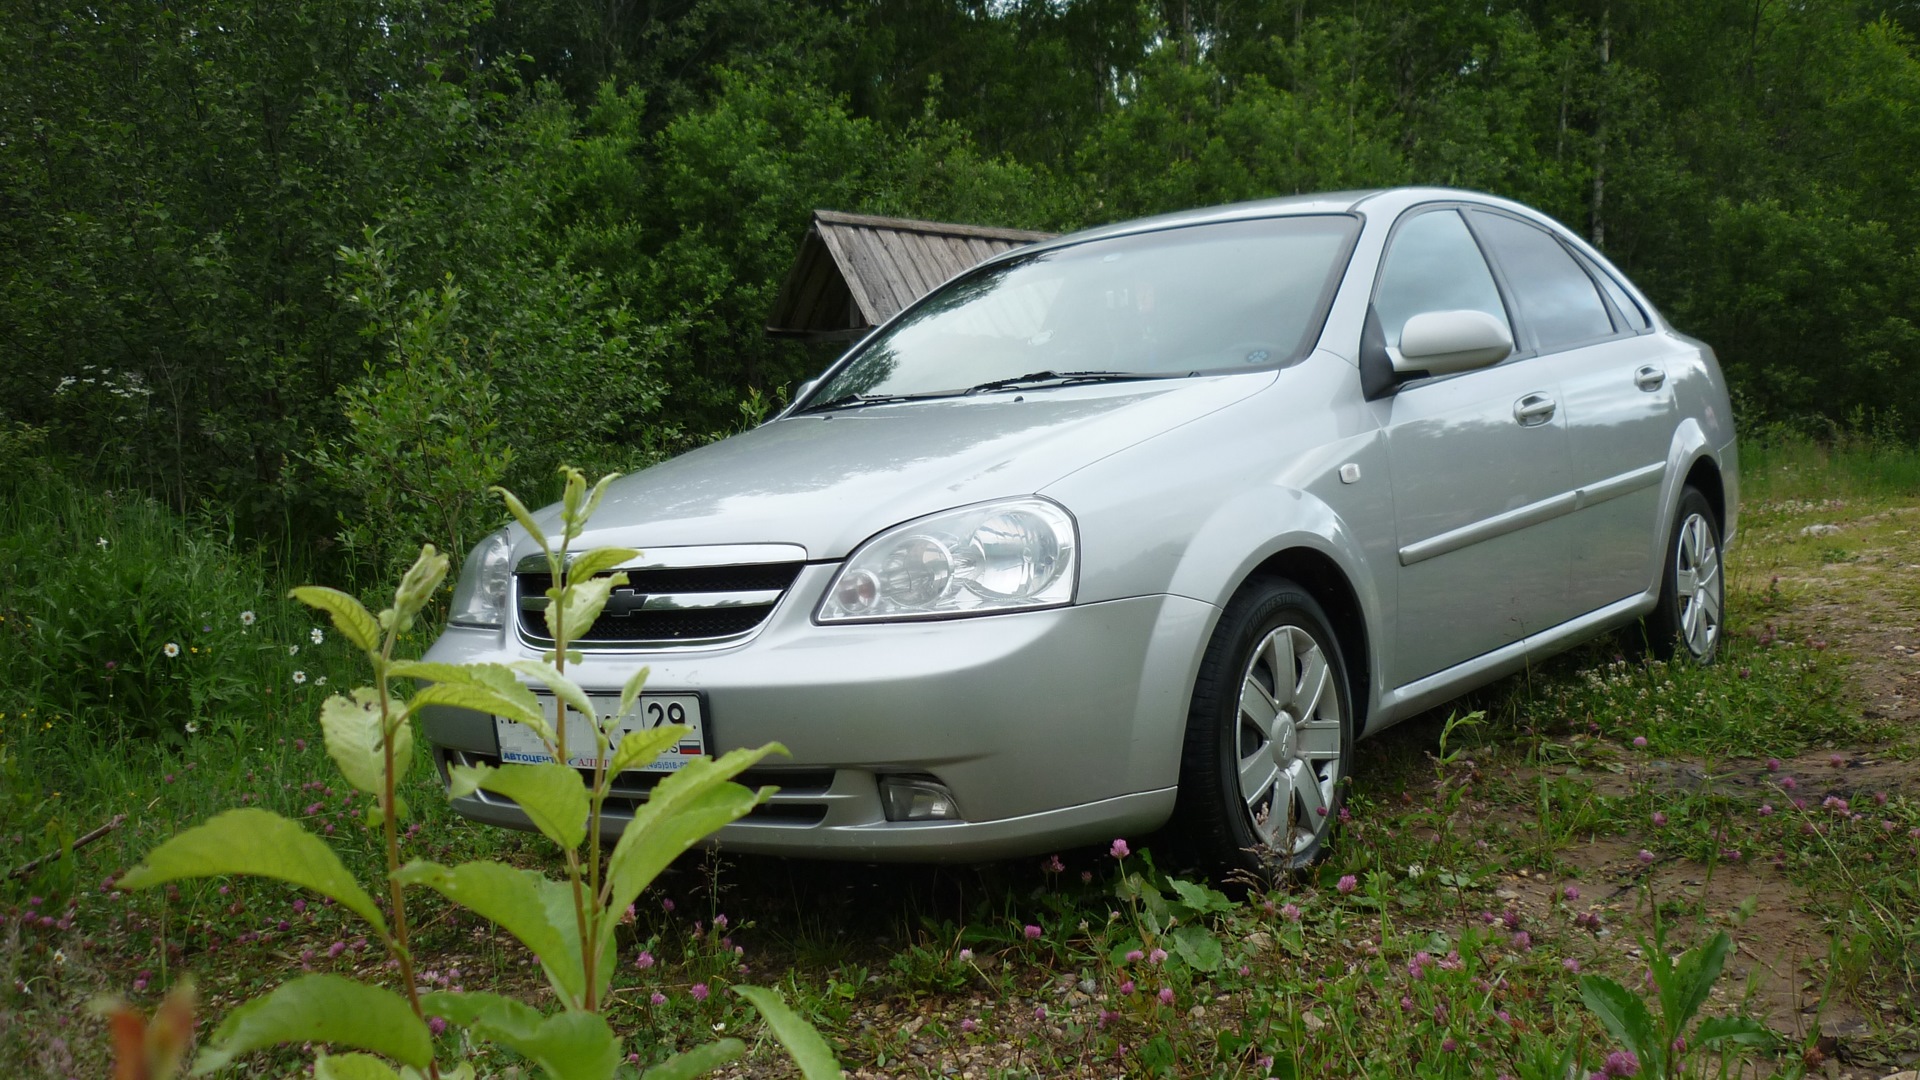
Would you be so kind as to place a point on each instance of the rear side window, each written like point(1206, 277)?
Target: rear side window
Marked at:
point(1433, 265)
point(1636, 319)
point(1557, 299)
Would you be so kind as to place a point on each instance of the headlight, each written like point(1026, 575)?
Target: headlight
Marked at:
point(480, 596)
point(978, 560)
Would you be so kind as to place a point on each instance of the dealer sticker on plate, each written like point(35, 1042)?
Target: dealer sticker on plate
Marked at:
point(519, 744)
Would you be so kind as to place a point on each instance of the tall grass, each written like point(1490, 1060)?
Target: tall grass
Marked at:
point(1852, 463)
point(140, 650)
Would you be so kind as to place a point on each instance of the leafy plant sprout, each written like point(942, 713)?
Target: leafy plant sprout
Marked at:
point(569, 926)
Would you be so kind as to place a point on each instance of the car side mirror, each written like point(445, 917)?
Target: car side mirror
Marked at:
point(1444, 342)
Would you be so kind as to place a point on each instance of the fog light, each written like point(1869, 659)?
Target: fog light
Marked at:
point(917, 798)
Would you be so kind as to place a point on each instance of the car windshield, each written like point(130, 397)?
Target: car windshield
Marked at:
point(1205, 298)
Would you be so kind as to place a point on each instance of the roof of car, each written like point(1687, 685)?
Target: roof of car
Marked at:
point(1388, 200)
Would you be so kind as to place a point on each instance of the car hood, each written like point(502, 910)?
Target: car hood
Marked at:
point(828, 481)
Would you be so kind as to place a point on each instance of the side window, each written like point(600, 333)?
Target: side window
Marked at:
point(1557, 299)
point(1629, 310)
point(1433, 265)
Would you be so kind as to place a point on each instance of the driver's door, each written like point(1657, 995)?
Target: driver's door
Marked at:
point(1480, 465)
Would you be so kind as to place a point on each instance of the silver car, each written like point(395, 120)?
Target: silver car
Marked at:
point(1145, 526)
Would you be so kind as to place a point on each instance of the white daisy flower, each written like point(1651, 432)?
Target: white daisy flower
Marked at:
point(321, 681)
point(246, 618)
point(316, 636)
point(102, 542)
point(192, 728)
point(293, 650)
point(172, 649)
point(299, 677)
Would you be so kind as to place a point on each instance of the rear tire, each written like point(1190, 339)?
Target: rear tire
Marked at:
point(1688, 621)
point(1269, 736)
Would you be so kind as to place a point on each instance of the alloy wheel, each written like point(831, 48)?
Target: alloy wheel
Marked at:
point(1290, 736)
point(1698, 586)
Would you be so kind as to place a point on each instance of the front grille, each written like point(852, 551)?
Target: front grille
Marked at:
point(689, 579)
point(667, 605)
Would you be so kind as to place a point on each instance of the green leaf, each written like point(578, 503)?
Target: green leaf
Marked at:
point(532, 907)
point(683, 810)
point(467, 1009)
point(571, 500)
point(599, 492)
point(630, 693)
point(349, 617)
point(579, 604)
point(809, 1050)
point(1201, 898)
point(352, 1067)
point(516, 700)
point(1716, 1032)
point(1684, 989)
point(352, 730)
point(1198, 947)
point(417, 585)
point(257, 842)
point(1625, 1016)
point(562, 687)
point(322, 1008)
point(568, 1045)
point(484, 700)
point(521, 514)
point(552, 795)
point(641, 747)
point(696, 1062)
point(593, 562)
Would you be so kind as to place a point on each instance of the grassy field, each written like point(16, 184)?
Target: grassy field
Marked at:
point(1560, 824)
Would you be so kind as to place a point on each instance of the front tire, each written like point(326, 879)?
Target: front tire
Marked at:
point(1269, 735)
point(1688, 619)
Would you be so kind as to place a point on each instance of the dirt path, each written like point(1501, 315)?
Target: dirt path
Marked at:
point(1830, 579)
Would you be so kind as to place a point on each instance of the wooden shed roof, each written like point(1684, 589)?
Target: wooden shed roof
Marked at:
point(854, 272)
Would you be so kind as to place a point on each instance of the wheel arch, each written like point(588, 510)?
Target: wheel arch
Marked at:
point(1325, 581)
point(1704, 476)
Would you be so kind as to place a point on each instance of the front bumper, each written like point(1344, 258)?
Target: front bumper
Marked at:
point(1051, 728)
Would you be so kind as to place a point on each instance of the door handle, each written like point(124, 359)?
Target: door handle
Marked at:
point(1533, 409)
point(1649, 378)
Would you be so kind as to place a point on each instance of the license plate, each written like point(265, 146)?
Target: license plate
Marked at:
point(518, 743)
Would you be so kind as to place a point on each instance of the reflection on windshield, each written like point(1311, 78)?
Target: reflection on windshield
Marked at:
point(1206, 298)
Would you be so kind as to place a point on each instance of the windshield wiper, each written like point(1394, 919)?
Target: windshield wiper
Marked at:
point(1063, 378)
point(854, 401)
point(1023, 382)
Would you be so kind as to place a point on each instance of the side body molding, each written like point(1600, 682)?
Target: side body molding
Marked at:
point(1533, 514)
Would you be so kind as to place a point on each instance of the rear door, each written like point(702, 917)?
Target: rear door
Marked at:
point(1617, 404)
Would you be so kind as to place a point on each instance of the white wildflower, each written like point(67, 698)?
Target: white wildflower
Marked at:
point(299, 677)
point(172, 649)
point(246, 618)
point(293, 650)
point(316, 635)
point(192, 728)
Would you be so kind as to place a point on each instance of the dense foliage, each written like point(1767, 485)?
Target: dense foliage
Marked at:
point(250, 254)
